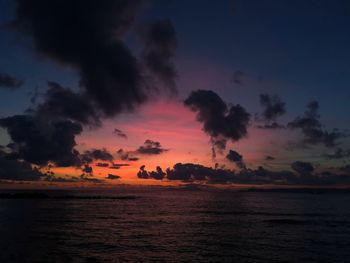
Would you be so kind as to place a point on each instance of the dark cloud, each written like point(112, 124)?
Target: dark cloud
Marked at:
point(96, 154)
point(12, 169)
point(238, 77)
point(196, 173)
point(160, 43)
point(102, 164)
point(338, 154)
point(133, 159)
point(271, 126)
point(113, 177)
point(87, 169)
point(63, 103)
point(126, 156)
point(88, 36)
point(158, 174)
point(118, 165)
point(90, 180)
point(38, 140)
point(9, 82)
point(213, 153)
point(263, 176)
point(236, 158)
point(312, 129)
point(73, 179)
point(345, 169)
point(269, 158)
point(273, 107)
point(151, 148)
point(303, 168)
point(120, 133)
point(219, 120)
point(143, 174)
point(218, 146)
point(188, 172)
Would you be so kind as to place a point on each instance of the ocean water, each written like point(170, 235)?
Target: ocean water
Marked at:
point(165, 225)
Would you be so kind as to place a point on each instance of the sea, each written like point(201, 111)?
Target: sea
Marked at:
point(155, 224)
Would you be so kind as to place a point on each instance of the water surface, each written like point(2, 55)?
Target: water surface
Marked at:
point(166, 225)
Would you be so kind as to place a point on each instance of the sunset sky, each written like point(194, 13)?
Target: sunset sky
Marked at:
point(234, 92)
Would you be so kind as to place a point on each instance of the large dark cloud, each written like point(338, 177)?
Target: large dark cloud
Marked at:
point(219, 120)
point(160, 43)
point(188, 172)
point(312, 129)
point(236, 158)
point(60, 102)
point(9, 82)
point(12, 169)
point(273, 107)
point(192, 173)
point(197, 172)
point(88, 36)
point(39, 140)
point(151, 148)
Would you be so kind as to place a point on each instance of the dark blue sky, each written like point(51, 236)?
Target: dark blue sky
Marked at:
point(300, 49)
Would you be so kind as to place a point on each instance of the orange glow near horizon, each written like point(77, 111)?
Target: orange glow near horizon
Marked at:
point(176, 128)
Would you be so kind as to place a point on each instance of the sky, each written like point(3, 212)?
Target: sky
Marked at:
point(174, 92)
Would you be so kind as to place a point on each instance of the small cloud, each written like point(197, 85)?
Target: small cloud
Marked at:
point(303, 168)
point(102, 164)
point(312, 129)
point(151, 148)
point(118, 165)
point(338, 154)
point(269, 158)
point(238, 77)
point(113, 177)
point(273, 107)
point(9, 82)
point(220, 121)
point(120, 134)
point(236, 158)
point(126, 156)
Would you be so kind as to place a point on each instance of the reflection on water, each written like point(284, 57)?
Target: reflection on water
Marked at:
point(176, 226)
